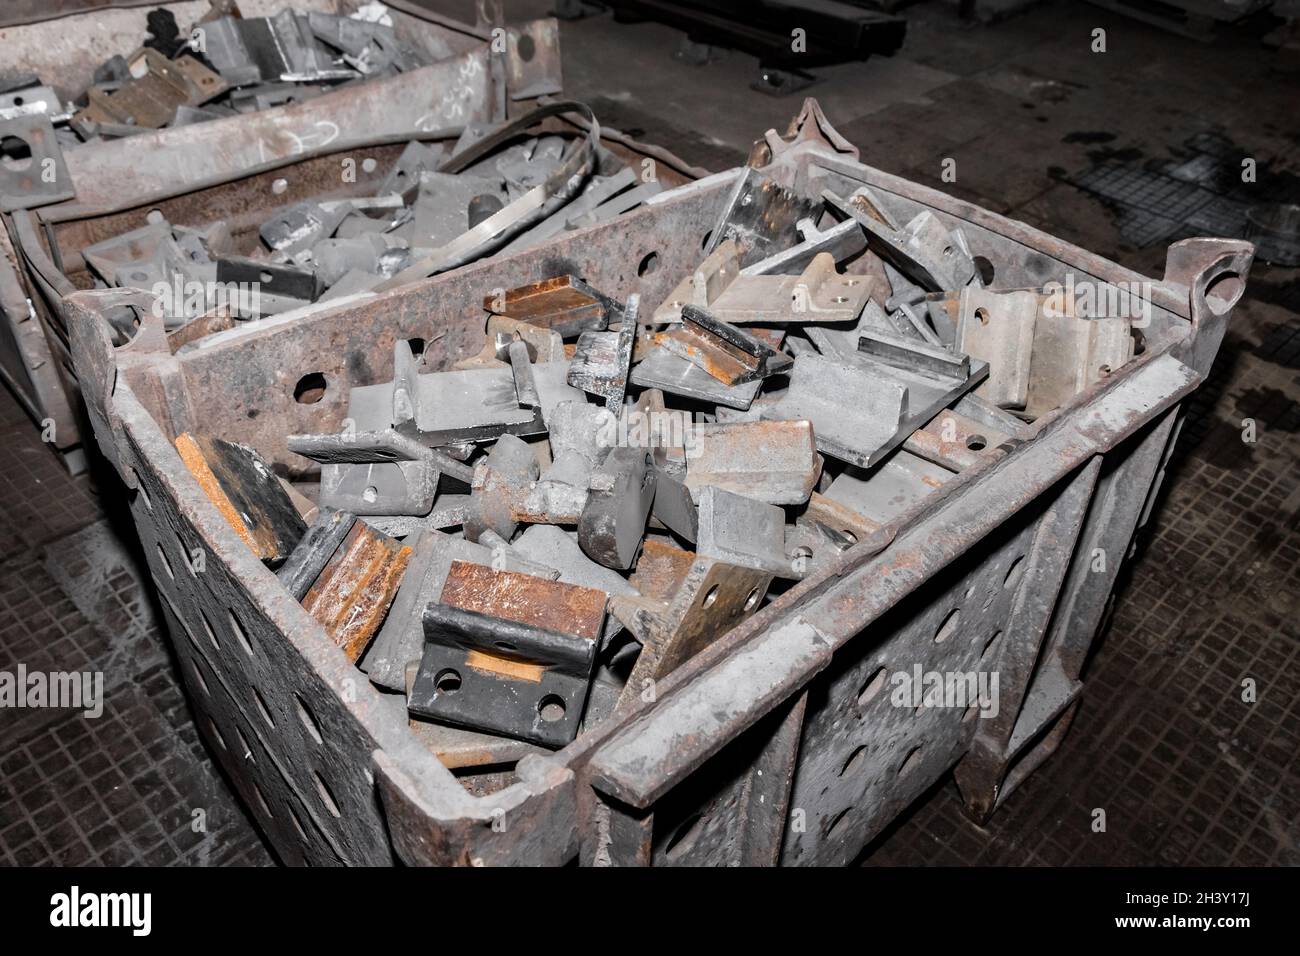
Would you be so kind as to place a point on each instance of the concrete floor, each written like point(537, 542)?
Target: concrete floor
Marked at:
point(1187, 772)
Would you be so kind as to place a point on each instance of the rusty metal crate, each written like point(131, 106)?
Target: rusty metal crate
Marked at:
point(181, 170)
point(770, 746)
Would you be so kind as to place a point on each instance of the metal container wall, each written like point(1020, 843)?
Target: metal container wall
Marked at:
point(771, 745)
point(119, 182)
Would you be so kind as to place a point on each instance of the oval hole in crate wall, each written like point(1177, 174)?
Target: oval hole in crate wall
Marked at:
point(854, 763)
point(949, 626)
point(261, 801)
point(872, 686)
point(216, 733)
point(240, 634)
point(684, 836)
point(910, 761)
point(326, 797)
point(1014, 572)
point(262, 708)
point(167, 565)
point(207, 626)
point(309, 720)
point(837, 823)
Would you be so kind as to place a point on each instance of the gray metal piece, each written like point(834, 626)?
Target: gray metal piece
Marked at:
point(742, 531)
point(817, 294)
point(931, 254)
point(863, 408)
point(998, 327)
point(761, 216)
point(619, 498)
point(602, 360)
point(663, 370)
point(842, 241)
point(31, 100)
point(726, 352)
point(521, 369)
point(310, 555)
point(442, 206)
point(500, 480)
point(900, 482)
point(674, 508)
point(301, 225)
point(39, 178)
point(771, 461)
point(401, 638)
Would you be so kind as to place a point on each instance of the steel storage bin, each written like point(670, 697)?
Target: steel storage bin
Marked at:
point(134, 175)
point(770, 746)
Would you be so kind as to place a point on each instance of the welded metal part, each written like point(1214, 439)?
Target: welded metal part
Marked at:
point(924, 249)
point(458, 748)
point(602, 360)
point(500, 480)
point(957, 442)
point(761, 217)
point(896, 385)
point(663, 370)
point(509, 653)
point(772, 461)
point(727, 353)
point(242, 487)
point(271, 279)
point(150, 98)
point(401, 639)
point(40, 178)
point(841, 241)
point(619, 497)
point(742, 531)
point(324, 536)
point(998, 327)
point(843, 343)
point(685, 603)
point(351, 595)
point(818, 294)
point(564, 304)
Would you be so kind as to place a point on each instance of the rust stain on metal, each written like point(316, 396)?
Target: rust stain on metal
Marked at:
point(352, 594)
point(505, 666)
point(537, 602)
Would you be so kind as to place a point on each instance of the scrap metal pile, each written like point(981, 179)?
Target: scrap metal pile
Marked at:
point(225, 66)
point(525, 542)
point(496, 189)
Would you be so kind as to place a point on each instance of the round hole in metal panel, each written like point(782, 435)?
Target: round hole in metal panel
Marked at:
point(551, 708)
point(310, 388)
point(526, 47)
point(710, 596)
point(326, 797)
point(649, 263)
point(15, 153)
point(976, 442)
point(308, 719)
point(447, 681)
point(949, 626)
point(872, 686)
point(752, 600)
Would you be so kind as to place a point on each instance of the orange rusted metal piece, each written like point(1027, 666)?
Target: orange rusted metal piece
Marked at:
point(352, 595)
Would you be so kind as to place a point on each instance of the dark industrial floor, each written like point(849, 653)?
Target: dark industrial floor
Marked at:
point(1186, 771)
